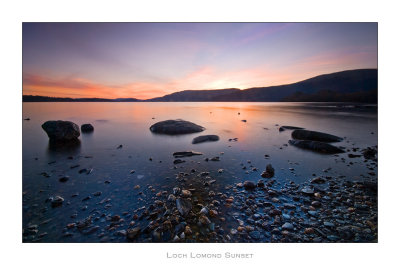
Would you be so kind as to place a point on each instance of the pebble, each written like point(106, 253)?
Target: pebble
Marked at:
point(204, 211)
point(309, 230)
point(204, 220)
point(307, 190)
point(287, 226)
point(57, 201)
point(132, 233)
point(64, 179)
point(213, 213)
point(255, 234)
point(313, 213)
point(188, 231)
point(186, 193)
point(329, 224)
point(83, 170)
point(249, 185)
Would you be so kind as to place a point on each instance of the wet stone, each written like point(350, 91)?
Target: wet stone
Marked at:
point(204, 220)
point(184, 206)
point(178, 161)
point(255, 234)
point(313, 213)
point(57, 201)
point(329, 224)
point(132, 233)
point(63, 179)
point(186, 193)
point(269, 172)
point(287, 226)
point(249, 185)
point(307, 190)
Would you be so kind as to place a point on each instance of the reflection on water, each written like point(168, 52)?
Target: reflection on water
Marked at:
point(71, 147)
point(150, 155)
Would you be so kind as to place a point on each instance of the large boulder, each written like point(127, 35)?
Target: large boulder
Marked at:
point(316, 146)
point(61, 130)
point(175, 127)
point(302, 134)
point(205, 138)
point(87, 128)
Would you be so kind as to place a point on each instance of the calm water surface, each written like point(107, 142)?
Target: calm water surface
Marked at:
point(128, 124)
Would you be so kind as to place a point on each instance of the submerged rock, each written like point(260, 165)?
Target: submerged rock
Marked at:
point(86, 128)
point(180, 154)
point(302, 134)
point(61, 130)
point(174, 127)
point(178, 161)
point(282, 128)
point(205, 138)
point(316, 146)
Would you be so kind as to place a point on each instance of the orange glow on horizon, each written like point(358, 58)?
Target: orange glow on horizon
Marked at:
point(201, 79)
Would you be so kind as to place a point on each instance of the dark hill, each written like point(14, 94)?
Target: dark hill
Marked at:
point(195, 95)
point(361, 80)
point(339, 83)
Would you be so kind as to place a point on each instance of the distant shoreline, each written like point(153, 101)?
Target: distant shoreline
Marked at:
point(144, 101)
point(359, 85)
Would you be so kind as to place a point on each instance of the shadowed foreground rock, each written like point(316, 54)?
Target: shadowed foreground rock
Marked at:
point(302, 134)
point(205, 138)
point(316, 146)
point(175, 127)
point(61, 130)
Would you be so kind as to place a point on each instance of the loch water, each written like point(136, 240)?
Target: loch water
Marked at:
point(149, 155)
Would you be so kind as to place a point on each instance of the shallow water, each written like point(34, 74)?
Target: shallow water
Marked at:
point(128, 124)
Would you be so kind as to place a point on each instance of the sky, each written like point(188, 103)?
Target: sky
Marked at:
point(147, 60)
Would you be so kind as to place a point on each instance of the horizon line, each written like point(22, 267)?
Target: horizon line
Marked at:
point(203, 89)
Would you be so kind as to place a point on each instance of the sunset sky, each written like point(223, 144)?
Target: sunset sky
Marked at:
point(146, 60)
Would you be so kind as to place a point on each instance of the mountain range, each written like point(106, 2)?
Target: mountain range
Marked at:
point(360, 85)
